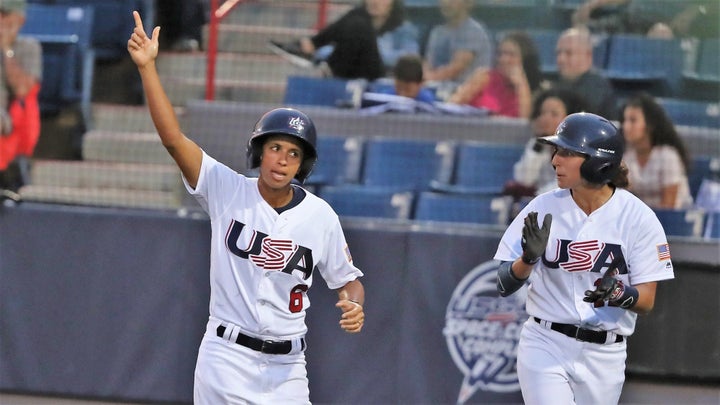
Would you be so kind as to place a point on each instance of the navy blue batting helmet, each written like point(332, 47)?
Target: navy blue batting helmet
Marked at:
point(597, 139)
point(284, 121)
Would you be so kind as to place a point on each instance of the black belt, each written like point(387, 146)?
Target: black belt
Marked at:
point(263, 346)
point(585, 335)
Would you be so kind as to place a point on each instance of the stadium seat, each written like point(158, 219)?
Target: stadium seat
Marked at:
point(707, 64)
point(702, 81)
point(113, 24)
point(712, 225)
point(692, 112)
point(68, 57)
point(338, 163)
point(371, 202)
point(681, 222)
point(406, 164)
point(545, 42)
point(476, 209)
point(329, 92)
point(702, 167)
point(481, 168)
point(636, 62)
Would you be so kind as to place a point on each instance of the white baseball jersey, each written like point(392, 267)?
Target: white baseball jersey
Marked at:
point(262, 263)
point(579, 250)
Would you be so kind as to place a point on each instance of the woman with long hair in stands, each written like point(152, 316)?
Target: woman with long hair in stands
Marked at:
point(656, 155)
point(507, 88)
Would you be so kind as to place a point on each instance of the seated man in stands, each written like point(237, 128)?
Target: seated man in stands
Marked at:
point(574, 55)
point(457, 47)
point(20, 74)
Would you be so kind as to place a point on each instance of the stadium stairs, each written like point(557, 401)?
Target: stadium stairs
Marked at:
point(122, 162)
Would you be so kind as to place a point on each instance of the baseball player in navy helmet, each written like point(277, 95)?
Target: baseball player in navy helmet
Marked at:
point(592, 254)
point(269, 238)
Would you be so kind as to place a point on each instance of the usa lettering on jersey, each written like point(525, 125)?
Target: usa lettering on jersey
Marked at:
point(270, 254)
point(576, 256)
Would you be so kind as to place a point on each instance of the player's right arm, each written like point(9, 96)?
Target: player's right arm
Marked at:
point(186, 153)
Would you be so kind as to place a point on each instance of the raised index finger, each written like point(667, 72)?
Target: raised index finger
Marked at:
point(138, 21)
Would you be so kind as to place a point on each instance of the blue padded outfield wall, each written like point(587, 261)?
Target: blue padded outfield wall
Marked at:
point(109, 303)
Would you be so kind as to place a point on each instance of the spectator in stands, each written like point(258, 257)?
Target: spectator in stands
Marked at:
point(668, 18)
point(392, 44)
point(656, 155)
point(408, 80)
point(182, 22)
point(533, 174)
point(507, 88)
point(357, 39)
point(574, 56)
point(20, 76)
point(458, 47)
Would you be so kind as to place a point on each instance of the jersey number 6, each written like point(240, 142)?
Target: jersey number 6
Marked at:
point(296, 298)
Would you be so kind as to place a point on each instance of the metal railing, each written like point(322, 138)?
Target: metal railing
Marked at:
point(217, 13)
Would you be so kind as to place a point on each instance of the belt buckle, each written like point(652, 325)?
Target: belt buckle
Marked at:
point(577, 333)
point(266, 345)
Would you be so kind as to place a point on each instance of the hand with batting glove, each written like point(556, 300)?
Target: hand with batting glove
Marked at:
point(534, 238)
point(610, 289)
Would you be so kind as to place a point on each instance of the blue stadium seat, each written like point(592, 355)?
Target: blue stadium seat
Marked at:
point(702, 81)
point(329, 92)
point(371, 202)
point(681, 222)
point(476, 209)
point(636, 62)
point(702, 167)
point(707, 64)
point(712, 225)
point(68, 57)
point(407, 164)
point(113, 24)
point(545, 42)
point(692, 112)
point(339, 161)
point(481, 168)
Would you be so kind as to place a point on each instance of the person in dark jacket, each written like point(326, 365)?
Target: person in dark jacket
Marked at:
point(354, 35)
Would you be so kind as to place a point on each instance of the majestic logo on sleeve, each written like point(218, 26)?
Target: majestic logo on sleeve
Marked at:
point(270, 254)
point(482, 331)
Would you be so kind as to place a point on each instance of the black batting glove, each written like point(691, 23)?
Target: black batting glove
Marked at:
point(608, 288)
point(534, 238)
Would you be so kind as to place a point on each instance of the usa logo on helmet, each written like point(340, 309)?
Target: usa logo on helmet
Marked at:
point(297, 123)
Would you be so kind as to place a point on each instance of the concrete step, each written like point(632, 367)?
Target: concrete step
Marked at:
point(122, 117)
point(244, 38)
point(105, 197)
point(180, 90)
point(93, 174)
point(285, 13)
point(124, 147)
point(229, 66)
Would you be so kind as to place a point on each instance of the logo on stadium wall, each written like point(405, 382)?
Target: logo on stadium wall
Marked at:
point(482, 331)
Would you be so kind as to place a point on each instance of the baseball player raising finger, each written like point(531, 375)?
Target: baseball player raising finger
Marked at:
point(269, 237)
point(592, 254)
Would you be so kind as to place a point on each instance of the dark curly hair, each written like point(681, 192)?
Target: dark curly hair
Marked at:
point(659, 125)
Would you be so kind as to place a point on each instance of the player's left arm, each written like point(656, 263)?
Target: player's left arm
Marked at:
point(646, 298)
point(351, 298)
point(639, 298)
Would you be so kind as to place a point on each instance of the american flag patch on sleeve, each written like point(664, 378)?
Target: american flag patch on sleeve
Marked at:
point(663, 251)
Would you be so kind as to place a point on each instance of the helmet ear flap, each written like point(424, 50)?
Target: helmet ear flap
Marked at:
point(598, 172)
